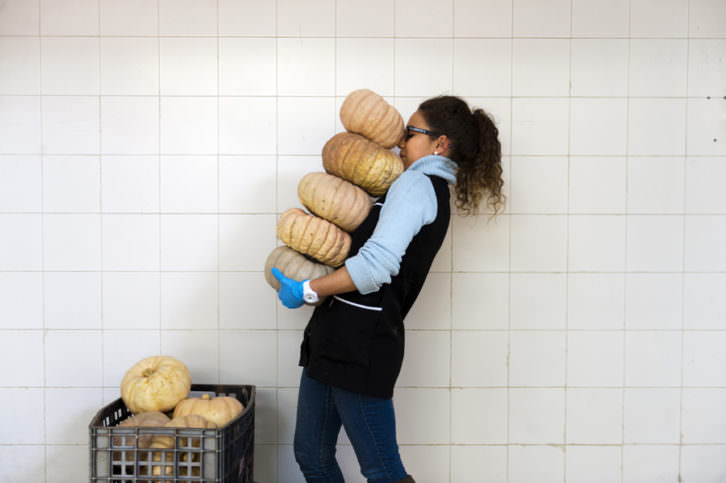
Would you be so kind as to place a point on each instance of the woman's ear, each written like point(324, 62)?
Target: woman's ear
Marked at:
point(442, 144)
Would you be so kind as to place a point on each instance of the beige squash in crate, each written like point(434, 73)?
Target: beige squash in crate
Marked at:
point(156, 383)
point(220, 410)
point(186, 421)
point(168, 442)
point(150, 419)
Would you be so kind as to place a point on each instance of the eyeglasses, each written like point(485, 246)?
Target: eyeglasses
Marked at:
point(411, 131)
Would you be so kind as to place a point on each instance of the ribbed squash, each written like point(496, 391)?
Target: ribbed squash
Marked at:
point(293, 265)
point(183, 470)
point(156, 383)
point(366, 113)
point(362, 162)
point(151, 419)
point(313, 236)
point(219, 410)
point(187, 421)
point(184, 444)
point(334, 199)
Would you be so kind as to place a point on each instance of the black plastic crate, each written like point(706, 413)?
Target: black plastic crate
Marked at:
point(223, 455)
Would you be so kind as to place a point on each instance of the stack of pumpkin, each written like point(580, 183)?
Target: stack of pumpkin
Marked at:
point(358, 165)
point(161, 384)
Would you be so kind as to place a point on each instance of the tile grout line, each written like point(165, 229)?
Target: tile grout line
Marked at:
point(509, 252)
point(100, 209)
point(159, 172)
point(372, 36)
point(44, 367)
point(625, 255)
point(410, 386)
point(196, 94)
point(277, 152)
point(518, 272)
point(451, 276)
point(683, 253)
point(277, 216)
point(334, 96)
point(309, 155)
point(567, 245)
point(466, 330)
point(219, 220)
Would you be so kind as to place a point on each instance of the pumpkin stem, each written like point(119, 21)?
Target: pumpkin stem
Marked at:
point(205, 396)
point(147, 372)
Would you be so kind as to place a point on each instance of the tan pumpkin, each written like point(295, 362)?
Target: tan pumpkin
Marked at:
point(313, 236)
point(293, 265)
point(150, 419)
point(362, 162)
point(334, 199)
point(156, 383)
point(186, 421)
point(366, 113)
point(167, 457)
point(167, 442)
point(219, 410)
point(182, 469)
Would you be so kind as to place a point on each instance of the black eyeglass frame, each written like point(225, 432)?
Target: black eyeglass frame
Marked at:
point(419, 130)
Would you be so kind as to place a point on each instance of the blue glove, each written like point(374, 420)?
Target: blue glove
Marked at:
point(291, 291)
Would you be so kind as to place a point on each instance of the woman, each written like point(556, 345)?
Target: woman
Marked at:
point(353, 345)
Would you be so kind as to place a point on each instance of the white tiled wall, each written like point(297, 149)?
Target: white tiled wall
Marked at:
point(146, 147)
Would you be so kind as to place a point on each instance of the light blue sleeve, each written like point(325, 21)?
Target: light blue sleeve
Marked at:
point(410, 204)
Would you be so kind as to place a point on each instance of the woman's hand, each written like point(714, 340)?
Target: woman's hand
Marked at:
point(291, 291)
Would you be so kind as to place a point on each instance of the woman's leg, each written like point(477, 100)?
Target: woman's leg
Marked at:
point(370, 424)
point(316, 432)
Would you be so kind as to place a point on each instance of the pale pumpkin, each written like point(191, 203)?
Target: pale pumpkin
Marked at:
point(182, 469)
point(150, 419)
point(158, 457)
point(293, 265)
point(219, 410)
point(156, 383)
point(362, 162)
point(168, 442)
point(186, 421)
point(366, 113)
point(313, 236)
point(334, 199)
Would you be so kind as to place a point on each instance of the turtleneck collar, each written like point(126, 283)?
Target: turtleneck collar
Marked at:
point(435, 165)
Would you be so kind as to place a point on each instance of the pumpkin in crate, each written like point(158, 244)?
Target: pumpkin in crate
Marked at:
point(334, 199)
point(366, 113)
point(183, 469)
point(156, 383)
point(219, 410)
point(313, 236)
point(186, 421)
point(293, 265)
point(150, 419)
point(185, 442)
point(362, 162)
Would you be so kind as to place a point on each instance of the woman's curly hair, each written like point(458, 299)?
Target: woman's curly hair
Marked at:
point(474, 147)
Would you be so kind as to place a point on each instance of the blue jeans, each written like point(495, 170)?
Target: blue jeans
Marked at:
point(369, 423)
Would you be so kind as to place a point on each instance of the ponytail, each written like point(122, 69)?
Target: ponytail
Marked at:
point(474, 146)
